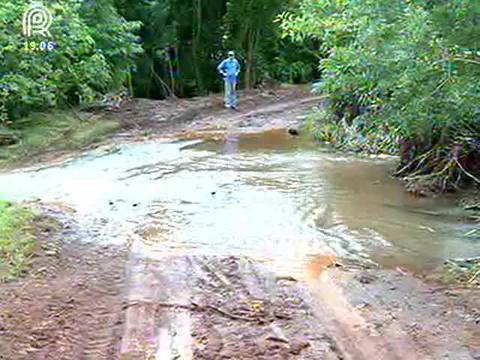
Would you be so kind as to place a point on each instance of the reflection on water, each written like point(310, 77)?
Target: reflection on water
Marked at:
point(268, 195)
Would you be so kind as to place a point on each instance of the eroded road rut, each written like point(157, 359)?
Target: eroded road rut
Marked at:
point(216, 255)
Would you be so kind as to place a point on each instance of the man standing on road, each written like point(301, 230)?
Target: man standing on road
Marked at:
point(229, 69)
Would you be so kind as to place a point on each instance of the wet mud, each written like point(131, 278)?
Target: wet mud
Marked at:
point(69, 305)
point(221, 308)
point(385, 314)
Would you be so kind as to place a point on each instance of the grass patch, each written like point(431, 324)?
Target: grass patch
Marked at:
point(61, 130)
point(17, 241)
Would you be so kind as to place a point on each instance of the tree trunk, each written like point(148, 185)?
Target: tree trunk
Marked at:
point(129, 84)
point(170, 70)
point(249, 72)
point(197, 27)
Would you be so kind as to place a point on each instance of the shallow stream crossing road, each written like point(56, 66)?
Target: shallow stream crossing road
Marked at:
point(222, 236)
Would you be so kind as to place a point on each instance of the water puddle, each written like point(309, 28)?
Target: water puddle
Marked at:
point(271, 196)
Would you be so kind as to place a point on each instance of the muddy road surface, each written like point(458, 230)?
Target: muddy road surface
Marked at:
point(205, 233)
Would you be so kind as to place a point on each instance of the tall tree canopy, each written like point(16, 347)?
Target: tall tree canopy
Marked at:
point(155, 48)
point(185, 40)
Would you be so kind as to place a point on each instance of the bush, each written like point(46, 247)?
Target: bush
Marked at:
point(93, 55)
point(413, 66)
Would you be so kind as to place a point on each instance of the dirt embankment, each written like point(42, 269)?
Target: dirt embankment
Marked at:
point(144, 119)
point(259, 110)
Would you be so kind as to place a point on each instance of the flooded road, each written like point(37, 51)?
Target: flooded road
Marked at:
point(270, 196)
point(216, 249)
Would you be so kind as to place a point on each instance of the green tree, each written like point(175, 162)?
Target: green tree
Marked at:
point(408, 68)
point(93, 55)
point(250, 28)
point(199, 32)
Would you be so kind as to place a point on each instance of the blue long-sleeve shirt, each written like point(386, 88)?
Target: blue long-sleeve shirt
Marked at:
point(230, 68)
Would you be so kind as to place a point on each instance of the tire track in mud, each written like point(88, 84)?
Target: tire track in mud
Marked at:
point(228, 307)
point(286, 328)
point(213, 307)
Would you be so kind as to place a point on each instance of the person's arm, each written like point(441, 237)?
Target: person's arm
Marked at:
point(237, 63)
point(220, 68)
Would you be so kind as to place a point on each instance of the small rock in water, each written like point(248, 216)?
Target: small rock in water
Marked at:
point(366, 278)
point(213, 192)
point(135, 204)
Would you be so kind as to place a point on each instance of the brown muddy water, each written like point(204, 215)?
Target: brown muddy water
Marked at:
point(270, 196)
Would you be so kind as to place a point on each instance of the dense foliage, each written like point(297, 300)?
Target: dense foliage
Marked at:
point(154, 48)
point(185, 40)
point(400, 75)
point(94, 52)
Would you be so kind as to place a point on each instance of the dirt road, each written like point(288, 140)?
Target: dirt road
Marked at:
point(84, 299)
